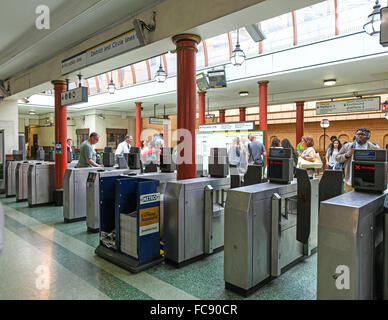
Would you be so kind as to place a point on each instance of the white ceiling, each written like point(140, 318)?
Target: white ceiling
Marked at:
point(22, 45)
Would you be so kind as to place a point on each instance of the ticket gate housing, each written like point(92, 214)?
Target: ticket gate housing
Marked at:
point(10, 178)
point(40, 183)
point(269, 227)
point(93, 196)
point(22, 181)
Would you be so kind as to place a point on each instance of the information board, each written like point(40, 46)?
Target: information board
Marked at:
point(349, 105)
point(207, 140)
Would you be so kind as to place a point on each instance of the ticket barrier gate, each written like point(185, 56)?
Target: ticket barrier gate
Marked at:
point(93, 196)
point(40, 183)
point(10, 178)
point(269, 227)
point(352, 235)
point(130, 234)
point(22, 180)
point(74, 192)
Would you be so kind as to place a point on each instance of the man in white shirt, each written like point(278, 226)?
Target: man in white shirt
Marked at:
point(124, 147)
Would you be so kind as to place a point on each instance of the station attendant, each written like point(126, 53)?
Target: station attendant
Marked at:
point(124, 147)
point(87, 156)
point(345, 155)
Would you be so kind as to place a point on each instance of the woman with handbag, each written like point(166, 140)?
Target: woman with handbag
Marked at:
point(308, 157)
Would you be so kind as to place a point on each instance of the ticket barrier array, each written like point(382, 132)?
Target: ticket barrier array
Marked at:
point(194, 215)
point(40, 183)
point(271, 226)
point(352, 234)
point(130, 234)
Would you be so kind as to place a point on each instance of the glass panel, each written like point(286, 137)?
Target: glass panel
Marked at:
point(171, 64)
point(141, 72)
point(316, 22)
point(352, 14)
point(279, 33)
point(200, 57)
point(92, 86)
point(126, 74)
point(103, 82)
point(154, 66)
point(218, 49)
point(116, 79)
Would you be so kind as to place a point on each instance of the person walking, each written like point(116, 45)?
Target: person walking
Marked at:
point(87, 157)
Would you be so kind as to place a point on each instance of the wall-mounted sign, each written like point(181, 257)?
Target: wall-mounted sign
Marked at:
point(227, 126)
point(154, 120)
point(74, 96)
point(350, 105)
point(110, 48)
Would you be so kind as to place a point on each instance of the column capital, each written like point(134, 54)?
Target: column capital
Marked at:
point(202, 93)
point(264, 82)
point(59, 82)
point(138, 103)
point(186, 36)
point(299, 102)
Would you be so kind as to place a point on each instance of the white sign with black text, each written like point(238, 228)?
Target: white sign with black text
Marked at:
point(74, 96)
point(349, 106)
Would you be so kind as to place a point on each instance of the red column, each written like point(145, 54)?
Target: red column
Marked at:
point(299, 120)
point(60, 133)
point(186, 48)
point(263, 108)
point(222, 115)
point(243, 114)
point(138, 123)
point(201, 107)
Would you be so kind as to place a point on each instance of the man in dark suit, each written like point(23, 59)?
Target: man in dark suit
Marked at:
point(71, 148)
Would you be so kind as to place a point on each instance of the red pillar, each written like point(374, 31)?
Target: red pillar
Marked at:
point(299, 120)
point(186, 48)
point(222, 115)
point(201, 107)
point(60, 133)
point(138, 123)
point(243, 114)
point(263, 108)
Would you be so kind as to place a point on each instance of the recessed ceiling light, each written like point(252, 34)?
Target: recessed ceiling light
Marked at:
point(329, 82)
point(31, 112)
point(244, 93)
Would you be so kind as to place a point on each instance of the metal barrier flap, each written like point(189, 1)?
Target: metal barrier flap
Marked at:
point(331, 184)
point(303, 224)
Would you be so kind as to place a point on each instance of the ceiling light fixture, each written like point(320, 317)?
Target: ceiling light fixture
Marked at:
point(100, 116)
point(372, 24)
point(111, 86)
point(160, 75)
point(329, 82)
point(32, 112)
point(238, 56)
point(244, 93)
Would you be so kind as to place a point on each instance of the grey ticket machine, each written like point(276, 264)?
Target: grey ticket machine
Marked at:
point(40, 183)
point(93, 196)
point(269, 226)
point(352, 234)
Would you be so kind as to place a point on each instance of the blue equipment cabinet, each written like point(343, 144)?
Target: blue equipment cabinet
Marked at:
point(129, 217)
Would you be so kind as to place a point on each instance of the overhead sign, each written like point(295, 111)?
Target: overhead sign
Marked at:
point(202, 82)
point(228, 126)
point(349, 106)
point(217, 78)
point(154, 120)
point(74, 96)
point(110, 48)
point(384, 27)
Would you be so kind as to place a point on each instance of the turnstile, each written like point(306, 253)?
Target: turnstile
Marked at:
point(10, 178)
point(268, 228)
point(193, 218)
point(40, 183)
point(74, 192)
point(22, 181)
point(351, 246)
point(93, 196)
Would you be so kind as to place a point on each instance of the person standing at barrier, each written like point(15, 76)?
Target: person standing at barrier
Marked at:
point(332, 139)
point(309, 153)
point(70, 148)
point(275, 143)
point(332, 151)
point(234, 154)
point(287, 144)
point(256, 151)
point(87, 157)
point(345, 155)
point(124, 147)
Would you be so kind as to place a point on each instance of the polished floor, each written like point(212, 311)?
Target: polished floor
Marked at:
point(44, 258)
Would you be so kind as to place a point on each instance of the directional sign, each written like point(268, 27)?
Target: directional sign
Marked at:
point(74, 96)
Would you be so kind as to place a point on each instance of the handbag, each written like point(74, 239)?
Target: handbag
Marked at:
point(317, 164)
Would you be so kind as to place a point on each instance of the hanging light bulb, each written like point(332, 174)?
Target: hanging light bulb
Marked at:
point(111, 85)
point(160, 75)
point(238, 56)
point(372, 24)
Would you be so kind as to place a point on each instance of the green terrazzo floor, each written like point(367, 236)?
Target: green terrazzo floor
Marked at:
point(38, 236)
